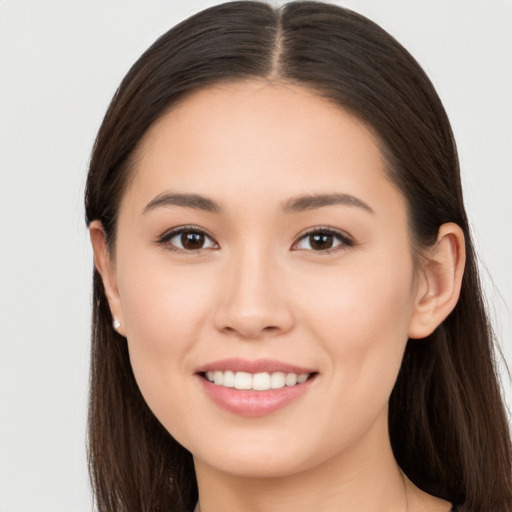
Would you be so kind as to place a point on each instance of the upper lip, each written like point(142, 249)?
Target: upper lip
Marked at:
point(256, 366)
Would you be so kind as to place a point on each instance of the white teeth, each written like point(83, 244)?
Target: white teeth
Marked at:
point(277, 380)
point(261, 381)
point(291, 379)
point(243, 380)
point(303, 377)
point(258, 382)
point(229, 379)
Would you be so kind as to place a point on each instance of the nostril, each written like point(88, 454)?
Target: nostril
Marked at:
point(248, 331)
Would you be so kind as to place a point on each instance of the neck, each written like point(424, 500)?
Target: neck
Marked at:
point(365, 478)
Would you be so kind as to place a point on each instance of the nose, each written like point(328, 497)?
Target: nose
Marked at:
point(254, 303)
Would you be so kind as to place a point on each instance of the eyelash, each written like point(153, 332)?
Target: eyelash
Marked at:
point(344, 240)
point(169, 235)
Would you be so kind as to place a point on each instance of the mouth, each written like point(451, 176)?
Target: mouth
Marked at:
point(254, 388)
point(261, 381)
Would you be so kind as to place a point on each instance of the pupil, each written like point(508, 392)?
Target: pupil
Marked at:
point(321, 241)
point(192, 241)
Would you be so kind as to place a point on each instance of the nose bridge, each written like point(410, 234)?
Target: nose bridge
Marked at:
point(253, 300)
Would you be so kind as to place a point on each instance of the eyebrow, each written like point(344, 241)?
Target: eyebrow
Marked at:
point(311, 202)
point(194, 201)
point(294, 205)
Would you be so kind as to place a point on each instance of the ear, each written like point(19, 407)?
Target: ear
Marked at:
point(439, 282)
point(105, 266)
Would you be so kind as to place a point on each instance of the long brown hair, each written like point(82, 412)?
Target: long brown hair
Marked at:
point(447, 423)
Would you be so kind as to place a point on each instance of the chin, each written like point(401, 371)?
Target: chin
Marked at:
point(258, 465)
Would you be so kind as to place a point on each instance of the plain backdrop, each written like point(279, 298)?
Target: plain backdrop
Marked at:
point(60, 63)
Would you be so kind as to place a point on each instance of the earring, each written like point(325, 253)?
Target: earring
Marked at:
point(116, 323)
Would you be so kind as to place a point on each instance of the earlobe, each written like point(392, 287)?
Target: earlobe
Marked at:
point(105, 266)
point(441, 280)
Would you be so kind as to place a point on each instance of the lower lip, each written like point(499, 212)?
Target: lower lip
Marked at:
point(254, 403)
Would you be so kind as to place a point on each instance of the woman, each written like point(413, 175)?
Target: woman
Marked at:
point(287, 309)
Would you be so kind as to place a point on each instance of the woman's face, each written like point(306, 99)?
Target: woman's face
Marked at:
point(261, 242)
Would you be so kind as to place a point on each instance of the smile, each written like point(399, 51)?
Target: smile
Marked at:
point(254, 388)
point(256, 382)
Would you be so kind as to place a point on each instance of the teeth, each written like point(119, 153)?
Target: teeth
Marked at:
point(303, 377)
point(258, 381)
point(261, 381)
point(243, 380)
point(291, 379)
point(277, 380)
point(229, 379)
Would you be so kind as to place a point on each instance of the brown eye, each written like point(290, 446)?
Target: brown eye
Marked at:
point(192, 241)
point(188, 239)
point(323, 240)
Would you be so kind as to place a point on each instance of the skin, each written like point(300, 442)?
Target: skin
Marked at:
point(257, 289)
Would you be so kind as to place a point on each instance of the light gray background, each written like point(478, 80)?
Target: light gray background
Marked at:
point(60, 62)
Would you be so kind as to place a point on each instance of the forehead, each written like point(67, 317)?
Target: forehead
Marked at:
point(269, 139)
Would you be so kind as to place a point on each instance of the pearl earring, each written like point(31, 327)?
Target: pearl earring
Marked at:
point(116, 323)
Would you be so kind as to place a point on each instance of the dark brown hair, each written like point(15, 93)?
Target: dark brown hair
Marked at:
point(447, 423)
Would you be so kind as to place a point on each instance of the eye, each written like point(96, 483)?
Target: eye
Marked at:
point(323, 240)
point(187, 239)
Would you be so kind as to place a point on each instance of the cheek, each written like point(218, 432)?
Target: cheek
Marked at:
point(165, 310)
point(362, 316)
point(359, 319)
